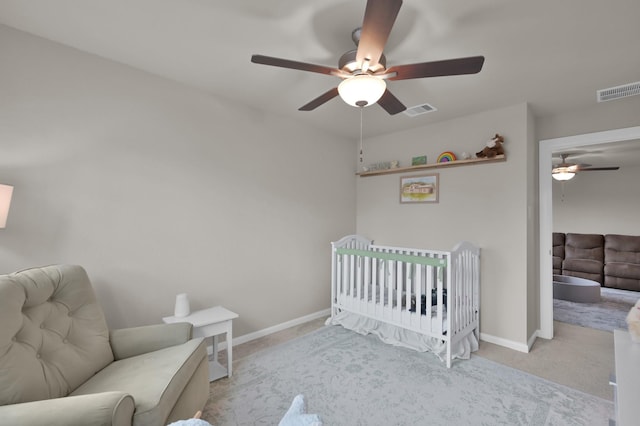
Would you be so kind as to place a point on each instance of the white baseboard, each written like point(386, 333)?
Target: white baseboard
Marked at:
point(274, 329)
point(520, 347)
point(533, 338)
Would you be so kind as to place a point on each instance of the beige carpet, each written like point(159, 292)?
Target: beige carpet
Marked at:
point(579, 357)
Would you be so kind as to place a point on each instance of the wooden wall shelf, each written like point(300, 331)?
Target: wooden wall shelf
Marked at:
point(409, 169)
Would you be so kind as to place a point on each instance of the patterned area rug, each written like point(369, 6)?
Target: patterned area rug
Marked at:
point(349, 379)
point(610, 313)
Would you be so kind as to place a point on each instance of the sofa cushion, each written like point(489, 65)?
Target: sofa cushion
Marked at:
point(558, 252)
point(53, 334)
point(558, 244)
point(584, 246)
point(155, 380)
point(622, 261)
point(623, 270)
point(582, 265)
point(622, 275)
point(622, 248)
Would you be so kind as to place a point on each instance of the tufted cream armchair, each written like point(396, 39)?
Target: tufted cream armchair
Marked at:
point(60, 365)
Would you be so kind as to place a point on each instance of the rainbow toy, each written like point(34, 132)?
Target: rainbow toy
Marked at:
point(446, 157)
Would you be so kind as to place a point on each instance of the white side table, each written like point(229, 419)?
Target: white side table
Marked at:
point(212, 322)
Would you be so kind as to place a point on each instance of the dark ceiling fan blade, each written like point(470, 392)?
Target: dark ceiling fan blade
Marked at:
point(390, 103)
point(470, 65)
point(325, 97)
point(302, 66)
point(590, 169)
point(379, 17)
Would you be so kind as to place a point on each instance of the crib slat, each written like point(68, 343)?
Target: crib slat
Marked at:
point(367, 282)
point(390, 284)
point(343, 274)
point(398, 286)
point(419, 285)
point(374, 281)
point(429, 285)
point(359, 282)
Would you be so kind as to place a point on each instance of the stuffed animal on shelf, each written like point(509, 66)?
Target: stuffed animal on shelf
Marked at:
point(493, 147)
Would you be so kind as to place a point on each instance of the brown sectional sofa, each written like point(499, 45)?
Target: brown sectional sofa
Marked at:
point(584, 256)
point(612, 260)
point(622, 268)
point(558, 252)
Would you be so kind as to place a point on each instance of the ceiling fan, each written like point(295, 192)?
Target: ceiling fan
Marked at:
point(364, 70)
point(566, 171)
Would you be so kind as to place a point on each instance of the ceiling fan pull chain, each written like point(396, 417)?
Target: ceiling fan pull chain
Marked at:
point(361, 155)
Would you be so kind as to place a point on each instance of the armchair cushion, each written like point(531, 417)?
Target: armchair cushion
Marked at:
point(156, 379)
point(109, 408)
point(53, 335)
point(128, 342)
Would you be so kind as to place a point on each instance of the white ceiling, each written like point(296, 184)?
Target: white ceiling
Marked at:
point(553, 54)
point(622, 154)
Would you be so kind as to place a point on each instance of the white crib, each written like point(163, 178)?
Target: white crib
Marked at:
point(434, 295)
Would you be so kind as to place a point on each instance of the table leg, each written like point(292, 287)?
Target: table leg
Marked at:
point(214, 353)
point(229, 338)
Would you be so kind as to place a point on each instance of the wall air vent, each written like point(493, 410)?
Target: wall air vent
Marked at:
point(419, 109)
point(619, 92)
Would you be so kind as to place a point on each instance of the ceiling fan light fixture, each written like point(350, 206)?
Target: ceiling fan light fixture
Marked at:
point(361, 90)
point(562, 173)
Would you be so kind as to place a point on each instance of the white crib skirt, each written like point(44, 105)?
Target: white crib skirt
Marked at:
point(398, 336)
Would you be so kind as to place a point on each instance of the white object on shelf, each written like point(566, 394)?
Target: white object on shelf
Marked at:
point(210, 323)
point(182, 308)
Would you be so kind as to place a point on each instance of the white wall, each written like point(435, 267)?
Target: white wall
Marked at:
point(533, 231)
point(486, 204)
point(158, 189)
point(605, 202)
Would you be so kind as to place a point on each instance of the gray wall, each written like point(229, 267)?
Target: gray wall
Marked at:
point(486, 204)
point(596, 202)
point(158, 189)
point(604, 202)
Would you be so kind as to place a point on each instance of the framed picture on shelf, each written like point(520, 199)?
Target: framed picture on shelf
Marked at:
point(419, 189)
point(419, 161)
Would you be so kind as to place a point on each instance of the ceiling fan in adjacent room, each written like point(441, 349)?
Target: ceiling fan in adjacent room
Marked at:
point(364, 70)
point(566, 171)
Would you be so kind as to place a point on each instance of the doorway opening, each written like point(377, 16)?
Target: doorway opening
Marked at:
point(546, 149)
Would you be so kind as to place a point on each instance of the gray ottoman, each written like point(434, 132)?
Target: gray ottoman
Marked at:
point(575, 289)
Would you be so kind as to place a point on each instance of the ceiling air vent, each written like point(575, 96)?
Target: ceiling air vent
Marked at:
point(619, 92)
point(419, 109)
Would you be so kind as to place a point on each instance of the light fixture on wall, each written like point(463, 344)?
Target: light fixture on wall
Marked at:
point(362, 90)
point(562, 173)
point(5, 202)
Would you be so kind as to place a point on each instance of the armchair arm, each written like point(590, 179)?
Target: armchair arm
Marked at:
point(98, 409)
point(128, 342)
